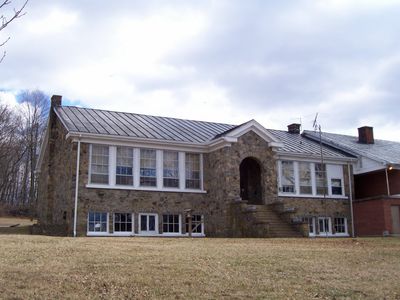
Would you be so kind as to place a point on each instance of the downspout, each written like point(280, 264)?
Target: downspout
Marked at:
point(351, 200)
point(387, 181)
point(78, 155)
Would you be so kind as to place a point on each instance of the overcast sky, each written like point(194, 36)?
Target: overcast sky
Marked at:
point(277, 62)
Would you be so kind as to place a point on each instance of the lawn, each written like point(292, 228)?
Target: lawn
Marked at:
point(88, 268)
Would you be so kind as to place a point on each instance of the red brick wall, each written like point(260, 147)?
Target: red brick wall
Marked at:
point(394, 179)
point(373, 217)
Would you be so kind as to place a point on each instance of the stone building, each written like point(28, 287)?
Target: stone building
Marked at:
point(104, 173)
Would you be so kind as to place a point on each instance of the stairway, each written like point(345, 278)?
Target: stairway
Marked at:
point(268, 222)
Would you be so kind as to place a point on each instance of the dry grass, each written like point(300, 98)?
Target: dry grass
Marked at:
point(22, 228)
point(87, 268)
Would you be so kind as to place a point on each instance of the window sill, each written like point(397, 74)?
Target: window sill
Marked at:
point(330, 235)
point(312, 196)
point(148, 189)
point(129, 234)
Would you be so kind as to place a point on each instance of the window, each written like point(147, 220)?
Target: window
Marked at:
point(192, 170)
point(148, 170)
point(124, 170)
point(339, 224)
point(197, 224)
point(324, 227)
point(305, 178)
point(320, 179)
point(148, 224)
point(97, 222)
point(171, 169)
point(311, 224)
point(122, 222)
point(336, 185)
point(99, 164)
point(287, 178)
point(171, 224)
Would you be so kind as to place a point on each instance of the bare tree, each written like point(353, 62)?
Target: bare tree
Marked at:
point(34, 111)
point(6, 19)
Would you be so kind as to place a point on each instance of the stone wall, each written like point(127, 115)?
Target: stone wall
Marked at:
point(56, 189)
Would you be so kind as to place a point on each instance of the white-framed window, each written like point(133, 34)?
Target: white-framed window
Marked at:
point(310, 179)
point(192, 170)
point(171, 169)
point(340, 226)
point(148, 223)
point(123, 223)
point(132, 168)
point(324, 226)
point(124, 167)
point(99, 162)
point(320, 179)
point(305, 181)
point(287, 177)
point(97, 222)
point(148, 167)
point(336, 186)
point(197, 224)
point(171, 223)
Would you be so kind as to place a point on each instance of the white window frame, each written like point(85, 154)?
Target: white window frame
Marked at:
point(180, 224)
point(90, 164)
point(324, 233)
point(346, 233)
point(163, 169)
point(147, 232)
point(124, 233)
point(201, 224)
point(333, 171)
point(136, 171)
point(98, 233)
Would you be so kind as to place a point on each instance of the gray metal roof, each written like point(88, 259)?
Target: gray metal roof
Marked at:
point(96, 121)
point(381, 150)
point(298, 144)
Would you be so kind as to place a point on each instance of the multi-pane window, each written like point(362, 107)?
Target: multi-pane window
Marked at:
point(287, 177)
point(192, 170)
point(170, 169)
point(97, 222)
point(148, 223)
point(122, 222)
point(320, 179)
point(148, 167)
point(311, 224)
point(171, 224)
point(99, 164)
point(336, 186)
point(197, 224)
point(124, 168)
point(305, 178)
point(339, 225)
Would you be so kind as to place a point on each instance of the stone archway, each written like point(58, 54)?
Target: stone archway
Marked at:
point(250, 181)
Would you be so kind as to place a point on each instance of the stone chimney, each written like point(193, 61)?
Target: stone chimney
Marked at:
point(294, 128)
point(366, 135)
point(56, 100)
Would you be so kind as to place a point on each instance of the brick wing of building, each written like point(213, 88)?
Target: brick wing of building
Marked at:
point(104, 173)
point(376, 180)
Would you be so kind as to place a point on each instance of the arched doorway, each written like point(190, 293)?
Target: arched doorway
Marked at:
point(250, 181)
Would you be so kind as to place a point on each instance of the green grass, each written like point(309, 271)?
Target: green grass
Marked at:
point(121, 268)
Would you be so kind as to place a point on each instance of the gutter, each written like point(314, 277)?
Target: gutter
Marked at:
point(78, 156)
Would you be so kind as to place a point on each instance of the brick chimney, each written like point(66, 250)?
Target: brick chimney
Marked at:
point(294, 128)
point(56, 100)
point(366, 135)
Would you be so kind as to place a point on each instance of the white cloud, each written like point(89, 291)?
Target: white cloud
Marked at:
point(54, 22)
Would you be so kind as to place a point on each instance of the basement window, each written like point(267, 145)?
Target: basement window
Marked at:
point(197, 224)
point(122, 222)
point(171, 224)
point(97, 222)
point(340, 225)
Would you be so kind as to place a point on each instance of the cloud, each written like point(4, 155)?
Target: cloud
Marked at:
point(228, 61)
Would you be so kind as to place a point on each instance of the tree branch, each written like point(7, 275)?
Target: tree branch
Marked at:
point(17, 14)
